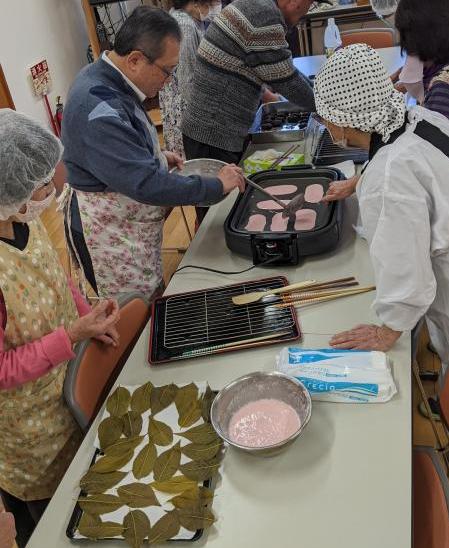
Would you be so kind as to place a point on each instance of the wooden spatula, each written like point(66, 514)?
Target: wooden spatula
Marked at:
point(248, 298)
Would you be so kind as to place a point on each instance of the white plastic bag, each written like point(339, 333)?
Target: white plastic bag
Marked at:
point(347, 376)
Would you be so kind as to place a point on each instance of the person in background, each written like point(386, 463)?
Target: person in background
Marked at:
point(42, 316)
point(413, 20)
point(114, 162)
point(7, 528)
point(190, 15)
point(403, 196)
point(244, 49)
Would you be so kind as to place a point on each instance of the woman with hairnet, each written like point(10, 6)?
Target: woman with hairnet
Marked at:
point(42, 316)
point(403, 196)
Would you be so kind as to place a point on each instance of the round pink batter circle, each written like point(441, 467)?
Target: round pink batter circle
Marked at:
point(262, 423)
point(314, 194)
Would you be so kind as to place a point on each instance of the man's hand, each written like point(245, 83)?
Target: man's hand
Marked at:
point(366, 337)
point(7, 528)
point(341, 189)
point(173, 159)
point(231, 176)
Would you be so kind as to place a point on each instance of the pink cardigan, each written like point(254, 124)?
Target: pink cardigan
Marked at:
point(33, 360)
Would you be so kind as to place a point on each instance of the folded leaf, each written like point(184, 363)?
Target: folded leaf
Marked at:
point(206, 401)
point(122, 446)
point(185, 396)
point(164, 529)
point(92, 527)
point(140, 399)
point(111, 464)
point(203, 434)
point(137, 495)
point(144, 462)
point(176, 484)
point(137, 527)
point(192, 499)
point(160, 433)
point(190, 414)
point(200, 470)
point(132, 424)
point(197, 451)
point(100, 504)
point(109, 431)
point(93, 482)
point(161, 397)
point(167, 463)
point(118, 402)
point(193, 519)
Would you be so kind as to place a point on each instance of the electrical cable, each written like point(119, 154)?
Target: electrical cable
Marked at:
point(268, 261)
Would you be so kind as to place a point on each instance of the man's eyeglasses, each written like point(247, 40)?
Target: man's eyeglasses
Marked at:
point(168, 73)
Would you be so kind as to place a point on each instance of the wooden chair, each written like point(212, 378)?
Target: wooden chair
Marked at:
point(430, 500)
point(95, 368)
point(377, 38)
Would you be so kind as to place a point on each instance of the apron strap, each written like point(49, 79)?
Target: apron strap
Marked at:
point(433, 135)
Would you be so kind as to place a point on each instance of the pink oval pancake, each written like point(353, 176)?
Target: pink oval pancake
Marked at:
point(305, 219)
point(256, 223)
point(270, 204)
point(314, 194)
point(282, 190)
point(279, 223)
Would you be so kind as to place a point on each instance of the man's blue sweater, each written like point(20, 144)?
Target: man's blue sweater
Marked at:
point(108, 146)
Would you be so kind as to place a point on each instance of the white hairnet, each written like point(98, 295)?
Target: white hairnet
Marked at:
point(354, 90)
point(29, 154)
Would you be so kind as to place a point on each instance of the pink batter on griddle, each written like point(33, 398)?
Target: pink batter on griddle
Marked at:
point(279, 223)
point(256, 223)
point(305, 219)
point(270, 204)
point(314, 194)
point(281, 190)
point(263, 422)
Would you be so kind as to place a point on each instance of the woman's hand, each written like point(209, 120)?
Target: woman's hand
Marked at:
point(269, 97)
point(7, 528)
point(99, 323)
point(173, 160)
point(366, 337)
point(341, 189)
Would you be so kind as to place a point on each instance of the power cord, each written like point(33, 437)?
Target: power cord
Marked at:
point(268, 261)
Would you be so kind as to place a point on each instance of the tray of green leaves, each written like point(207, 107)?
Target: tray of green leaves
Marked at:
point(155, 458)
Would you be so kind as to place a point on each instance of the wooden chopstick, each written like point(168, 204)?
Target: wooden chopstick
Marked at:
point(318, 285)
point(284, 156)
point(298, 294)
point(313, 300)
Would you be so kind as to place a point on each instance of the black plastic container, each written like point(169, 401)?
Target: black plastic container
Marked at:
point(290, 246)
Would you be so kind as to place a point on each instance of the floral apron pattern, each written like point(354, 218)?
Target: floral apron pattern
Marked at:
point(124, 238)
point(38, 435)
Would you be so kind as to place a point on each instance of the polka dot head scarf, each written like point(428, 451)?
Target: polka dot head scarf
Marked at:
point(354, 90)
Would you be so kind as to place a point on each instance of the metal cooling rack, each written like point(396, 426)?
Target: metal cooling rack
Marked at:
point(327, 153)
point(210, 317)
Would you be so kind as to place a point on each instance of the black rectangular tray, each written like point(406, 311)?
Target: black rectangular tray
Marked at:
point(199, 323)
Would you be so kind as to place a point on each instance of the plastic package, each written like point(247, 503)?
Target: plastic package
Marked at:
point(263, 159)
point(346, 376)
point(332, 39)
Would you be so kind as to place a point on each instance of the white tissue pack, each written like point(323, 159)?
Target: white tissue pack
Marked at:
point(346, 376)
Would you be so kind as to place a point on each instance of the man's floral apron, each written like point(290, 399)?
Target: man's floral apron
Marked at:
point(38, 436)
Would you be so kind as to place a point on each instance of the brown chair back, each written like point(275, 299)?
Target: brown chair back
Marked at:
point(430, 500)
point(95, 368)
point(376, 38)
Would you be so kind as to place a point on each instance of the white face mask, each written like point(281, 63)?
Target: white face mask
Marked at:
point(34, 209)
point(214, 11)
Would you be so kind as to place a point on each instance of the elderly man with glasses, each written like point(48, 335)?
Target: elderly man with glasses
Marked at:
point(119, 177)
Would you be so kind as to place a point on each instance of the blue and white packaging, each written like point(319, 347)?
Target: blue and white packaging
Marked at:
point(346, 376)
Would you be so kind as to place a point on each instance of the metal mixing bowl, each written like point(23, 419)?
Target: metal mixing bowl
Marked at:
point(204, 167)
point(256, 386)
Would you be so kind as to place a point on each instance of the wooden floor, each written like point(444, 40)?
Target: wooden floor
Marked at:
point(176, 238)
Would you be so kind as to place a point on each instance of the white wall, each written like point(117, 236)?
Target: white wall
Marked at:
point(32, 30)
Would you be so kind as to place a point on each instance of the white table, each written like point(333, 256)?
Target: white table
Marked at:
point(391, 58)
point(345, 483)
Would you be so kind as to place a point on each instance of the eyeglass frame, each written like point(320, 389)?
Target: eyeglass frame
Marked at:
point(168, 74)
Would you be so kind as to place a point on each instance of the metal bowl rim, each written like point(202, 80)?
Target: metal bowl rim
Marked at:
point(189, 162)
point(230, 385)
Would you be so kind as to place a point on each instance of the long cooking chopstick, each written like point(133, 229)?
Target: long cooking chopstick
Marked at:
point(237, 344)
point(318, 285)
point(318, 293)
point(284, 156)
point(313, 300)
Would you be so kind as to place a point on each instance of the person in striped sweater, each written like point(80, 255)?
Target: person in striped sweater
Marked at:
point(244, 49)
